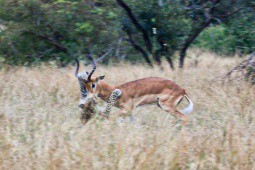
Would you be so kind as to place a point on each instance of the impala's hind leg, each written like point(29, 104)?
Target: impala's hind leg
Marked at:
point(172, 110)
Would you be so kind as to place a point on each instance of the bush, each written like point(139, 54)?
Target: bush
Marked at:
point(217, 39)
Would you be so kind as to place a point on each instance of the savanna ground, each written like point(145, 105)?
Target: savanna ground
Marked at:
point(40, 126)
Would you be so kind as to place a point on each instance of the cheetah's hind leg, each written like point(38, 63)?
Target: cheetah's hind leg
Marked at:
point(111, 102)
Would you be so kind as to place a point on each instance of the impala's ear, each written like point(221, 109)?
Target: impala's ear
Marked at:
point(99, 78)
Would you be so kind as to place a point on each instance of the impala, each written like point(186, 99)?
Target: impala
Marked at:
point(151, 90)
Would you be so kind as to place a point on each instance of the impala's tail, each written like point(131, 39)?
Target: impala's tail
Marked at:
point(188, 109)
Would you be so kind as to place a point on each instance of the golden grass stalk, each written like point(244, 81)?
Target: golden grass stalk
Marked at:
point(40, 126)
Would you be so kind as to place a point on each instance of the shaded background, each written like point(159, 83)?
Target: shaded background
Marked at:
point(147, 31)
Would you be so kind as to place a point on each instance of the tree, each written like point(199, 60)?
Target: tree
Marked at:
point(55, 30)
point(35, 30)
point(204, 13)
point(161, 41)
point(179, 23)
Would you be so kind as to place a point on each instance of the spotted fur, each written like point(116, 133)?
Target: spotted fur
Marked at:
point(81, 77)
point(112, 100)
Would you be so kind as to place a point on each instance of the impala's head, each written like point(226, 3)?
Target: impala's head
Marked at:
point(88, 85)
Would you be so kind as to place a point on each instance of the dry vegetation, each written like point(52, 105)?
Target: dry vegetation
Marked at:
point(40, 126)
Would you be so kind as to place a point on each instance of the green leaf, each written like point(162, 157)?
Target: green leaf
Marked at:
point(84, 27)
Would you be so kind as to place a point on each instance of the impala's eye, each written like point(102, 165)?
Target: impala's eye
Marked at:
point(93, 86)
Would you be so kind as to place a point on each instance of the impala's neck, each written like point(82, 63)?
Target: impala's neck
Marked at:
point(105, 90)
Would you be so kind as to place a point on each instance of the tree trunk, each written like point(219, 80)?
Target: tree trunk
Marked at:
point(190, 40)
point(208, 15)
point(170, 62)
point(138, 26)
point(139, 48)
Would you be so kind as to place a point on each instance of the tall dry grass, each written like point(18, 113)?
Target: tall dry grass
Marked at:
point(40, 126)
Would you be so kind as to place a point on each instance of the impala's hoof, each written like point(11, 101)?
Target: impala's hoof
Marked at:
point(132, 119)
point(104, 115)
point(185, 123)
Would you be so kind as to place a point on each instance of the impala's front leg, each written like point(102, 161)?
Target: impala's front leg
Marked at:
point(125, 111)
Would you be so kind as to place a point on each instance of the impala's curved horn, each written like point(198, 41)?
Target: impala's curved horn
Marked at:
point(77, 67)
point(89, 56)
